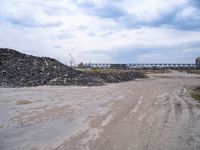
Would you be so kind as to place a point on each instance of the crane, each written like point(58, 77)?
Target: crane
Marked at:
point(72, 62)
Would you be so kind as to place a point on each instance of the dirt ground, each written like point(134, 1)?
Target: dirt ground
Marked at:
point(147, 114)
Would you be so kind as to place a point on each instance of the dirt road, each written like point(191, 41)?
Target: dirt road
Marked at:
point(148, 114)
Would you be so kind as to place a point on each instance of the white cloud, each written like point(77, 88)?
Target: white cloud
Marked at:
point(93, 30)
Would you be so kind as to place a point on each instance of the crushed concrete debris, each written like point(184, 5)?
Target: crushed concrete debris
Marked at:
point(21, 70)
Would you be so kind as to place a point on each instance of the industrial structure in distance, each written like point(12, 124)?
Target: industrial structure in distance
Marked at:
point(146, 65)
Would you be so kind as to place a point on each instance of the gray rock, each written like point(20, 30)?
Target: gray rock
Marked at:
point(21, 70)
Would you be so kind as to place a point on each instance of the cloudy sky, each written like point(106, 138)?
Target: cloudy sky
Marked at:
point(106, 31)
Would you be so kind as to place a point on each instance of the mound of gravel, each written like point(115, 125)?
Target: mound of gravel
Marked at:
point(98, 78)
point(115, 76)
point(17, 69)
point(21, 70)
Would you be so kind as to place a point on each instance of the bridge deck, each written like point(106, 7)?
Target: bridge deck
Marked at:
point(140, 66)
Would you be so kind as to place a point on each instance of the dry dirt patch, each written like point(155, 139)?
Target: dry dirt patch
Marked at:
point(23, 102)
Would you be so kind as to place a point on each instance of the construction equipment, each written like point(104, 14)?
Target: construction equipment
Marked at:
point(72, 62)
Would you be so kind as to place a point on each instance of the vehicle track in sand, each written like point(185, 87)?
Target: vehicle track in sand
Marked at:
point(149, 114)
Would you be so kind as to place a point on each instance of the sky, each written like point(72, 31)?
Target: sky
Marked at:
point(103, 31)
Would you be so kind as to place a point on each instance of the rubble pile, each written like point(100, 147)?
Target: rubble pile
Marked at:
point(98, 78)
point(21, 70)
point(116, 76)
point(17, 69)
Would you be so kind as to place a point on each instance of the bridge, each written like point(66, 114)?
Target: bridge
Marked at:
point(142, 66)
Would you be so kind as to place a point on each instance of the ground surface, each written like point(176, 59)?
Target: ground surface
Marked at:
point(148, 114)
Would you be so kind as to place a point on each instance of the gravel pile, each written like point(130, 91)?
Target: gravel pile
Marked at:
point(17, 69)
point(115, 76)
point(21, 70)
point(98, 78)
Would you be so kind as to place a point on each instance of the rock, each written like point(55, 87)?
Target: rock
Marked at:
point(21, 70)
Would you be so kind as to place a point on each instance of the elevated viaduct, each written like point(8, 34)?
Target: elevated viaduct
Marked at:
point(142, 66)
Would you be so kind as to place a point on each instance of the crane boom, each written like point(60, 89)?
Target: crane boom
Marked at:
point(72, 62)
